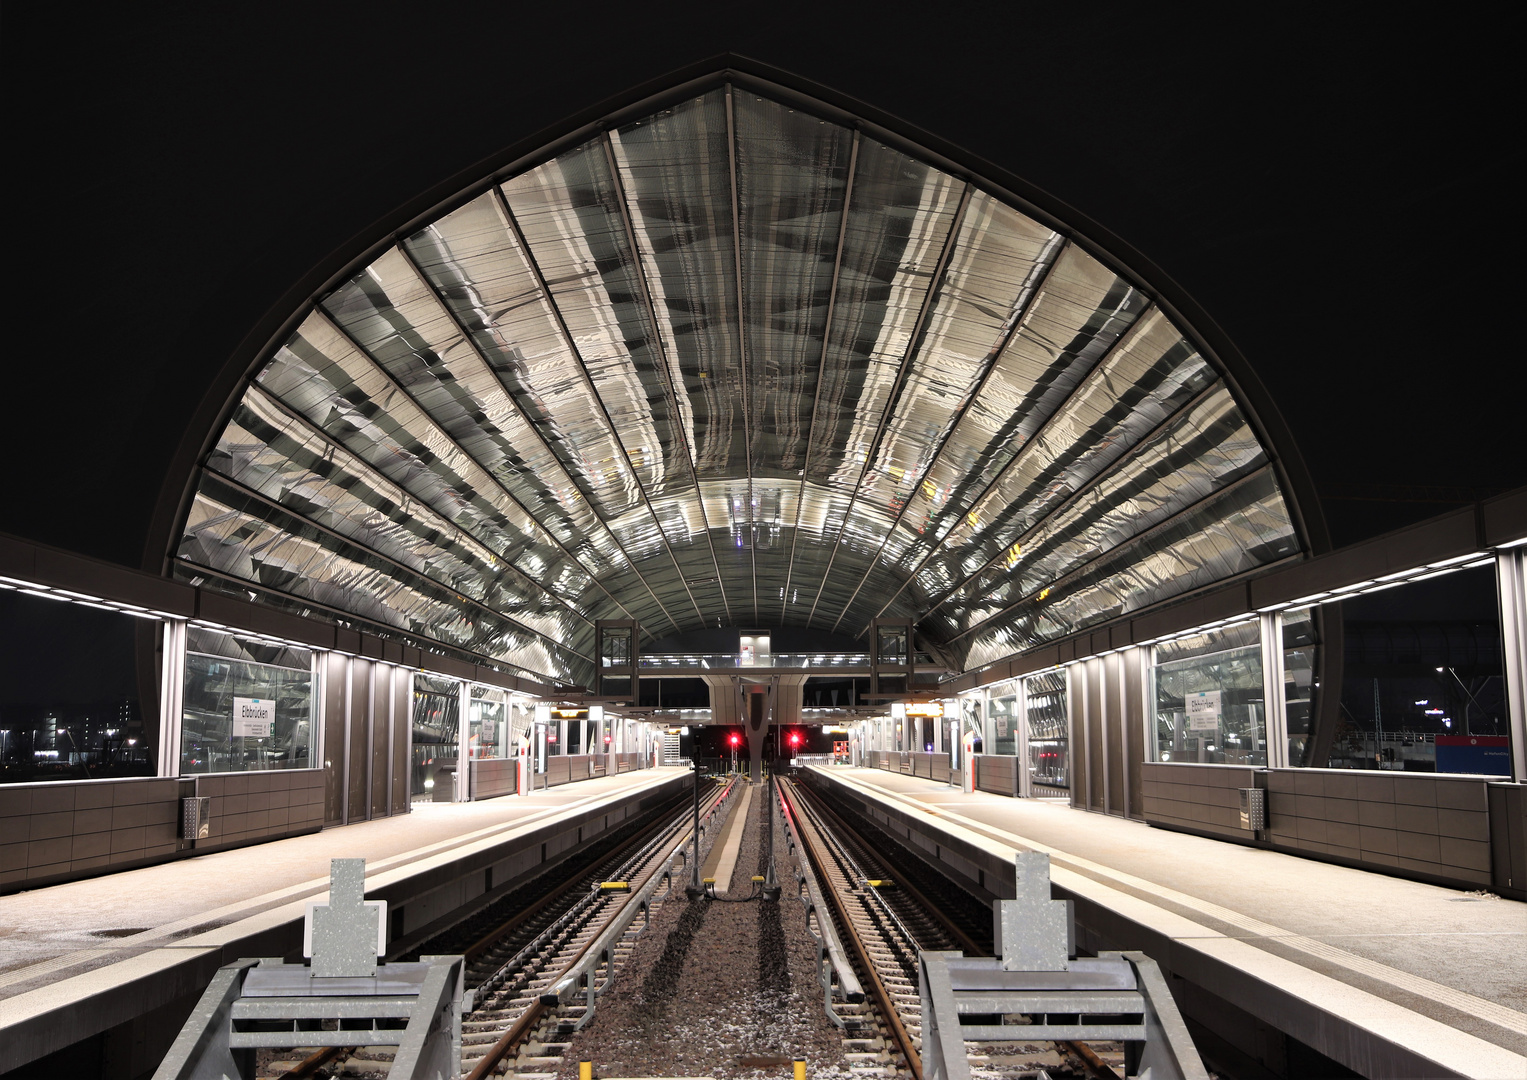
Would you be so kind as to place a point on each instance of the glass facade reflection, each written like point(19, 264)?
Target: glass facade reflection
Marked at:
point(1301, 658)
point(248, 705)
point(1049, 731)
point(1423, 684)
point(1002, 710)
point(436, 717)
point(1208, 698)
point(488, 729)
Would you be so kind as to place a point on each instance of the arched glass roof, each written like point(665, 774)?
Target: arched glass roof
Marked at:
point(734, 363)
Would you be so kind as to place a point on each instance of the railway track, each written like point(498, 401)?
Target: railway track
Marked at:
point(535, 959)
point(880, 899)
point(519, 948)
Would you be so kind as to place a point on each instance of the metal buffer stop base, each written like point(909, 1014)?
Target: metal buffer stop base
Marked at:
point(345, 998)
point(1036, 978)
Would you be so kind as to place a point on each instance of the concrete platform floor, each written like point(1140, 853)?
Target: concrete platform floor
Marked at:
point(60, 930)
point(1455, 956)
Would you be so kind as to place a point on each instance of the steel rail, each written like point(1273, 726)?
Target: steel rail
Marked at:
point(962, 938)
point(313, 1062)
point(640, 840)
point(829, 943)
point(811, 845)
point(1090, 1062)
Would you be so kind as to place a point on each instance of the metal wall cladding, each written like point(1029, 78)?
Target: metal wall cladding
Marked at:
point(735, 363)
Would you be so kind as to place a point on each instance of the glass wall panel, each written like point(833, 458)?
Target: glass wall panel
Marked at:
point(1209, 698)
point(1002, 705)
point(75, 682)
point(437, 712)
point(970, 719)
point(1423, 686)
point(1300, 658)
point(248, 705)
point(1049, 731)
point(488, 733)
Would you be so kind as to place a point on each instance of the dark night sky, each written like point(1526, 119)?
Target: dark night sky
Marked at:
point(1331, 188)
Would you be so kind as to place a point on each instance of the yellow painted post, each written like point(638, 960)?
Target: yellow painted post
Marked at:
point(585, 1070)
point(800, 1070)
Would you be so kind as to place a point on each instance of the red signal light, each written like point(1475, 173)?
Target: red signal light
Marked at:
point(735, 740)
point(795, 738)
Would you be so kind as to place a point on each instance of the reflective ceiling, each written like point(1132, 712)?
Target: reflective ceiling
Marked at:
point(733, 364)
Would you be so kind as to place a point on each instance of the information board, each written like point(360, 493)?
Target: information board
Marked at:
point(1203, 711)
point(1484, 755)
point(253, 718)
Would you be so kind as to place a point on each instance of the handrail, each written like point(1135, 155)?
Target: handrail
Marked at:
point(827, 940)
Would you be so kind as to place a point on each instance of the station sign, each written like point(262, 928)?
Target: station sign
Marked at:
point(253, 718)
point(1203, 711)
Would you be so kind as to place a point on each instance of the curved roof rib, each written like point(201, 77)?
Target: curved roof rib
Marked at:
point(737, 357)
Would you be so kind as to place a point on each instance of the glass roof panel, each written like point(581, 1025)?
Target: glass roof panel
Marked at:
point(729, 364)
point(1078, 314)
point(676, 172)
point(293, 559)
point(1208, 448)
point(792, 172)
point(900, 218)
point(1152, 372)
point(1244, 527)
point(268, 451)
point(570, 214)
point(472, 258)
point(998, 258)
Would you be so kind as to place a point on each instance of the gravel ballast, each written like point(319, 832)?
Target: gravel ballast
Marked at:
point(714, 983)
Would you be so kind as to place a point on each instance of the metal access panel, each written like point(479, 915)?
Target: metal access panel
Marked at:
point(196, 817)
point(1253, 809)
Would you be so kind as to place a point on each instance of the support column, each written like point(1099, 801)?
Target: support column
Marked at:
point(1275, 725)
point(755, 727)
point(1021, 740)
point(1511, 588)
point(172, 690)
point(462, 789)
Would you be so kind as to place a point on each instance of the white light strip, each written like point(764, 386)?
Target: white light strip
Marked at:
point(1436, 573)
point(1354, 587)
point(1455, 559)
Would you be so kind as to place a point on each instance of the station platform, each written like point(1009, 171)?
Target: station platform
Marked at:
point(83, 957)
point(1388, 976)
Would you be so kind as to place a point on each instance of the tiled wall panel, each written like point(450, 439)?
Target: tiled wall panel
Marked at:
point(1432, 826)
point(255, 806)
point(997, 773)
point(61, 829)
point(1203, 798)
point(1436, 826)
